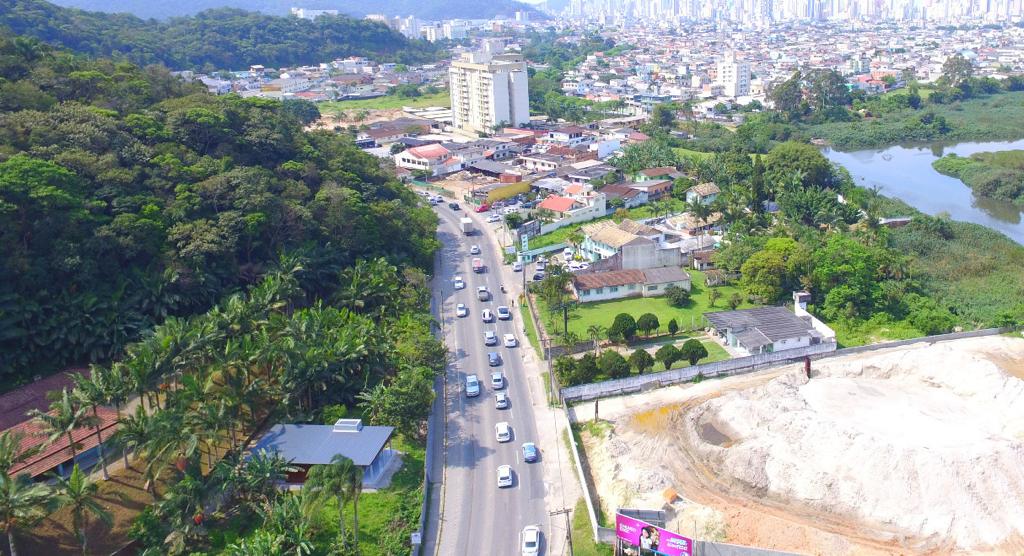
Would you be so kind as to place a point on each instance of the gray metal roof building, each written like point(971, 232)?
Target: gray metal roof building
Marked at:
point(762, 326)
point(317, 444)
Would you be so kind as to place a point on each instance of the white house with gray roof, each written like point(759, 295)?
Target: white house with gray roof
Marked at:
point(766, 329)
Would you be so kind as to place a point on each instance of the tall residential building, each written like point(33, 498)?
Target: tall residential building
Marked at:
point(303, 13)
point(488, 90)
point(734, 76)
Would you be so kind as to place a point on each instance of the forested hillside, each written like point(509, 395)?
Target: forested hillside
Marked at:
point(428, 9)
point(128, 196)
point(212, 40)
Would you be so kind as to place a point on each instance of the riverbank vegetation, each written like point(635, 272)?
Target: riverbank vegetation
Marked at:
point(998, 175)
point(222, 270)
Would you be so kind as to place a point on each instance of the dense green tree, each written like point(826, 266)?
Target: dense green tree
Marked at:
point(667, 355)
point(673, 327)
point(613, 364)
point(647, 323)
point(623, 328)
point(956, 71)
point(649, 154)
point(677, 296)
point(404, 404)
point(693, 351)
point(23, 503)
point(797, 163)
point(788, 96)
point(640, 360)
point(214, 39)
point(775, 270)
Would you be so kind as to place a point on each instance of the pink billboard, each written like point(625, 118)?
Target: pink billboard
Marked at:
point(645, 538)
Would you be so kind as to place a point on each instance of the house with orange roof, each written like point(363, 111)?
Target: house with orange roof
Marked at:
point(435, 158)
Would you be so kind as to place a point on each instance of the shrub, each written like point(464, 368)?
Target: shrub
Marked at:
point(673, 327)
point(623, 328)
point(735, 300)
point(693, 351)
point(586, 368)
point(677, 296)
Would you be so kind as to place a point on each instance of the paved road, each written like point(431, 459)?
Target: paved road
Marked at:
point(478, 517)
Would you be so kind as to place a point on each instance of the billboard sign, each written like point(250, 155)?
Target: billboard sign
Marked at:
point(647, 539)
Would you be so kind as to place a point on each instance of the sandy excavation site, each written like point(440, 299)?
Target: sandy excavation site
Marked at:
point(914, 450)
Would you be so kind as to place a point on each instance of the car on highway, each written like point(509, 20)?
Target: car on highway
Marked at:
point(490, 338)
point(538, 276)
point(459, 282)
point(453, 205)
point(504, 313)
point(474, 249)
point(461, 310)
point(511, 341)
point(529, 452)
point(510, 210)
point(483, 208)
point(503, 431)
point(530, 540)
point(501, 400)
point(567, 253)
point(487, 315)
point(472, 386)
point(493, 359)
point(497, 380)
point(517, 266)
point(504, 476)
point(483, 294)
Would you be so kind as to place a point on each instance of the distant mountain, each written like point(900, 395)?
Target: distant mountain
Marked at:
point(214, 39)
point(423, 9)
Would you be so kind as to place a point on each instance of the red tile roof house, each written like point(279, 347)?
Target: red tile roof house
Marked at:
point(554, 203)
point(14, 409)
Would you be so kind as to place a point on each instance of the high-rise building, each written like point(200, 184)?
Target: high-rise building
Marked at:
point(487, 90)
point(303, 13)
point(734, 76)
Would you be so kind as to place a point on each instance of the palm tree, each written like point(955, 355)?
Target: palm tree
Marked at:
point(79, 493)
point(596, 332)
point(11, 452)
point(90, 391)
point(700, 212)
point(333, 480)
point(132, 432)
point(64, 417)
point(22, 504)
point(355, 488)
point(575, 238)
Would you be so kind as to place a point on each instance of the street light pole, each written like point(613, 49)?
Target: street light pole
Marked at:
point(568, 526)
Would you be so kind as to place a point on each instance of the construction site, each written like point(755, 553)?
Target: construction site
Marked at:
point(909, 450)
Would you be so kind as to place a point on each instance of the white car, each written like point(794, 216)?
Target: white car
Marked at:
point(501, 400)
point(472, 386)
point(494, 218)
point(531, 540)
point(459, 283)
point(567, 253)
point(490, 338)
point(504, 313)
point(497, 380)
point(474, 250)
point(483, 294)
point(461, 310)
point(510, 341)
point(510, 210)
point(517, 266)
point(504, 476)
point(503, 431)
point(487, 315)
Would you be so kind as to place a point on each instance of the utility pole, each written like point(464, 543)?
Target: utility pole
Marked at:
point(568, 527)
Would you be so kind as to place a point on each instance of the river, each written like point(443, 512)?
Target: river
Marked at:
point(906, 173)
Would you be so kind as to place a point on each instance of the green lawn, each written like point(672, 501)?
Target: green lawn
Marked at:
point(603, 312)
point(880, 328)
point(388, 102)
point(583, 536)
point(698, 155)
point(531, 329)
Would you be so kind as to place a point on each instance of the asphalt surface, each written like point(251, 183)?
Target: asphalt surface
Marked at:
point(477, 517)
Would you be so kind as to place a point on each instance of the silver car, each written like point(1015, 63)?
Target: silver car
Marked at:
point(504, 476)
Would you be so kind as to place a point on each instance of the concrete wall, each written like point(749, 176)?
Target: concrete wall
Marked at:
point(794, 343)
point(650, 256)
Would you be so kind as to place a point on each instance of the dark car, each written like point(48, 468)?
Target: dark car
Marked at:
point(453, 206)
point(529, 452)
point(538, 277)
point(493, 359)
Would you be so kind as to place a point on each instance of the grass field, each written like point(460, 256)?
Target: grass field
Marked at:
point(603, 312)
point(531, 329)
point(582, 535)
point(389, 102)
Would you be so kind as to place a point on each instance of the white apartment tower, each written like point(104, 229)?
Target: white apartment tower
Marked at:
point(489, 89)
point(734, 76)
